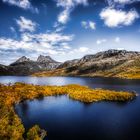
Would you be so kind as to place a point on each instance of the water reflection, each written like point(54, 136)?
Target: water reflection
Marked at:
point(65, 119)
point(107, 83)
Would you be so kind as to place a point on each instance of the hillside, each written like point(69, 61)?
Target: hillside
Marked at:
point(111, 63)
point(25, 66)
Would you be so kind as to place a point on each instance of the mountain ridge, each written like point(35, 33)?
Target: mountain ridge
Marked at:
point(109, 63)
point(25, 66)
point(105, 64)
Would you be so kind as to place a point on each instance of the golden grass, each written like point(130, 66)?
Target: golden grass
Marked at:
point(127, 70)
point(11, 126)
point(35, 133)
point(56, 72)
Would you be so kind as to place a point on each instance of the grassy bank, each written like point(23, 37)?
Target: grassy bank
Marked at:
point(122, 72)
point(11, 126)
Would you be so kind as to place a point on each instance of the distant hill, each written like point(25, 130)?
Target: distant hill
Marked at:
point(111, 63)
point(25, 66)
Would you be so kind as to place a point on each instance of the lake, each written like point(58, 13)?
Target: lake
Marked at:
point(66, 119)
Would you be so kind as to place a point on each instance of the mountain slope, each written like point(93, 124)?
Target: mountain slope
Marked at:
point(4, 70)
point(45, 59)
point(25, 66)
point(129, 70)
point(111, 63)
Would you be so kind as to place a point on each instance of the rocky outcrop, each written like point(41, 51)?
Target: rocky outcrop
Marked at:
point(45, 59)
point(4, 70)
point(25, 66)
point(69, 63)
point(23, 59)
point(110, 54)
point(111, 62)
point(103, 61)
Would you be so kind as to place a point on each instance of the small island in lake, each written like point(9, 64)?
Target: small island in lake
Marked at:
point(11, 126)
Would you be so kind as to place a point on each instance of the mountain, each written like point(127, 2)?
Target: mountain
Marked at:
point(25, 66)
point(45, 59)
point(4, 70)
point(111, 63)
point(23, 59)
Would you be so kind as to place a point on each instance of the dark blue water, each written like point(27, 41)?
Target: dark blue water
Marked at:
point(66, 119)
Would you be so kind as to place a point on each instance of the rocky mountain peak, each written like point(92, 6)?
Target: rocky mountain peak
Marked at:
point(45, 59)
point(113, 52)
point(23, 59)
point(110, 53)
point(20, 60)
point(118, 53)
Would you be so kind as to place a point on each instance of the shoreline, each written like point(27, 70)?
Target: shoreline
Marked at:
point(82, 76)
point(12, 126)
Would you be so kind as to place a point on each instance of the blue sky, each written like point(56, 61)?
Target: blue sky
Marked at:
point(67, 29)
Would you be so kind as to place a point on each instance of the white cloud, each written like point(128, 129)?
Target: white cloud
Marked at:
point(25, 4)
point(12, 29)
point(117, 40)
point(28, 44)
point(101, 41)
point(83, 49)
point(59, 29)
point(70, 3)
point(63, 17)
point(88, 25)
point(114, 18)
point(114, 3)
point(80, 50)
point(26, 24)
point(120, 49)
point(68, 6)
point(125, 1)
point(65, 45)
point(92, 25)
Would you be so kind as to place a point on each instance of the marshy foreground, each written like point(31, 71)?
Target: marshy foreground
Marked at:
point(11, 126)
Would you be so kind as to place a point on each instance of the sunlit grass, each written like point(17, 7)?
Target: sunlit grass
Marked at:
point(11, 126)
point(128, 70)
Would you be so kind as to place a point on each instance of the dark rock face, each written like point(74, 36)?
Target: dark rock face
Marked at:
point(114, 54)
point(45, 59)
point(4, 70)
point(23, 59)
point(88, 64)
point(68, 63)
point(25, 66)
point(99, 62)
